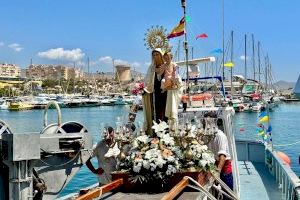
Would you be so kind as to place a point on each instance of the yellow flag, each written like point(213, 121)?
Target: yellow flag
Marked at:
point(264, 119)
point(229, 64)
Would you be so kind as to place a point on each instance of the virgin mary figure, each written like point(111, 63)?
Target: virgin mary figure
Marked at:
point(154, 98)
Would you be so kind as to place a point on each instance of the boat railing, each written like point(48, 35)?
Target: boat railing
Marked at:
point(288, 181)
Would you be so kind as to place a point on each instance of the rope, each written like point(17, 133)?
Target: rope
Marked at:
point(283, 145)
point(63, 164)
point(101, 192)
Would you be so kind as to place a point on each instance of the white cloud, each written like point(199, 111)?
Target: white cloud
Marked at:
point(62, 54)
point(147, 64)
point(1, 44)
point(16, 47)
point(242, 57)
point(105, 60)
point(121, 62)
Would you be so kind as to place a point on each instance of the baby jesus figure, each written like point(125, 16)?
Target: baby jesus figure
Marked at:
point(168, 82)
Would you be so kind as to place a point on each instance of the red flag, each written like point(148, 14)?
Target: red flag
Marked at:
point(178, 30)
point(203, 35)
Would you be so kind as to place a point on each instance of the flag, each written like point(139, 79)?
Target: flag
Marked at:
point(217, 51)
point(229, 64)
point(262, 114)
point(203, 35)
point(269, 130)
point(178, 30)
point(188, 18)
point(264, 119)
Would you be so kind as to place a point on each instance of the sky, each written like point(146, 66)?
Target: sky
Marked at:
point(71, 31)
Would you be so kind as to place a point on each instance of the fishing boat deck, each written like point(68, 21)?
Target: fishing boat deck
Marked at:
point(256, 182)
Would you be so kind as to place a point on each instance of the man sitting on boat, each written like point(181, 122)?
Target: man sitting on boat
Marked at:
point(219, 146)
point(106, 163)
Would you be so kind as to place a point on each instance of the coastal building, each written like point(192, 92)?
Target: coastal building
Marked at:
point(9, 70)
point(10, 75)
point(123, 73)
point(54, 72)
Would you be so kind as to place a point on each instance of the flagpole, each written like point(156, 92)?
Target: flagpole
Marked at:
point(183, 5)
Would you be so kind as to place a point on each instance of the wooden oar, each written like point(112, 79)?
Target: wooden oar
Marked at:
point(176, 189)
point(101, 190)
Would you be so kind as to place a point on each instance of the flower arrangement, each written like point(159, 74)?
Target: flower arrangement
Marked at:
point(138, 88)
point(164, 154)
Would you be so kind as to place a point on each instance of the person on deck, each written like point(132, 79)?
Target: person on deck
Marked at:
point(153, 91)
point(220, 147)
point(106, 165)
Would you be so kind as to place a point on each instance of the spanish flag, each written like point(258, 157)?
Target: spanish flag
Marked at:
point(178, 30)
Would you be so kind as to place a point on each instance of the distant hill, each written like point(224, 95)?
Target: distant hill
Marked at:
point(285, 85)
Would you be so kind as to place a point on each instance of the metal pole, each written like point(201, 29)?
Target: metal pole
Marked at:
point(253, 57)
point(231, 58)
point(258, 54)
point(223, 42)
point(245, 56)
point(183, 4)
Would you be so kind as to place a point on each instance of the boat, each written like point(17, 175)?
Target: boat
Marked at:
point(39, 165)
point(20, 104)
point(297, 89)
point(4, 105)
point(119, 100)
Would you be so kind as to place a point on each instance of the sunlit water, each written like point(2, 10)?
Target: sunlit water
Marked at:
point(285, 122)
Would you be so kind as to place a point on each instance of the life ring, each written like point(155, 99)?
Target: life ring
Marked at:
point(197, 97)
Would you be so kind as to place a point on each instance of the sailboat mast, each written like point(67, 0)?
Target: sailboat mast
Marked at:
point(266, 73)
point(183, 5)
point(253, 57)
point(231, 58)
point(223, 42)
point(258, 54)
point(245, 56)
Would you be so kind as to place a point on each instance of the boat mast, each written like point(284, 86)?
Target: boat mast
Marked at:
point(245, 56)
point(231, 58)
point(266, 73)
point(253, 57)
point(258, 54)
point(183, 5)
point(223, 42)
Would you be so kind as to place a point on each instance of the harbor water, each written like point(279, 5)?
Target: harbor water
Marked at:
point(284, 120)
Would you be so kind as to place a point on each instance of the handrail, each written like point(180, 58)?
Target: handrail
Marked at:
point(176, 189)
point(58, 113)
point(288, 181)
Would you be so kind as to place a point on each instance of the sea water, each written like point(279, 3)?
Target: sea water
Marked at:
point(284, 121)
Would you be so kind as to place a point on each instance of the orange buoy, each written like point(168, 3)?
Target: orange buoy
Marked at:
point(284, 158)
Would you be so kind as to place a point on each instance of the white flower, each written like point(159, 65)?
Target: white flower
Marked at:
point(137, 168)
point(159, 127)
point(146, 164)
point(113, 152)
point(203, 163)
point(152, 153)
point(168, 140)
point(152, 166)
point(160, 162)
point(208, 157)
point(143, 138)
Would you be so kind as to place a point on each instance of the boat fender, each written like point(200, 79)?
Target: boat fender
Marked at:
point(286, 160)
